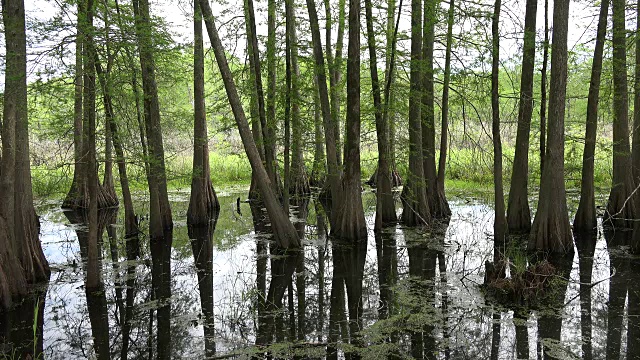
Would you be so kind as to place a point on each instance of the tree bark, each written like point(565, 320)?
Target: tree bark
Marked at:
point(333, 175)
point(385, 206)
point(585, 220)
point(203, 202)
point(287, 117)
point(283, 230)
point(298, 182)
point(319, 162)
point(108, 184)
point(551, 230)
point(160, 218)
point(78, 196)
point(130, 224)
point(622, 205)
point(500, 221)
point(437, 201)
point(268, 128)
point(77, 109)
point(256, 126)
point(136, 93)
point(21, 258)
point(636, 104)
point(350, 223)
point(335, 79)
point(518, 212)
point(444, 132)
point(543, 88)
point(415, 205)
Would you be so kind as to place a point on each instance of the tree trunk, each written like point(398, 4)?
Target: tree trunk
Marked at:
point(78, 197)
point(543, 88)
point(621, 208)
point(203, 202)
point(385, 206)
point(283, 230)
point(551, 230)
point(389, 77)
point(21, 258)
point(437, 201)
point(335, 79)
point(389, 98)
point(160, 218)
point(585, 220)
point(287, 116)
point(500, 222)
point(130, 224)
point(445, 212)
point(319, 161)
point(636, 104)
point(256, 126)
point(108, 184)
point(331, 145)
point(77, 110)
point(415, 205)
point(518, 212)
point(298, 182)
point(350, 223)
point(267, 124)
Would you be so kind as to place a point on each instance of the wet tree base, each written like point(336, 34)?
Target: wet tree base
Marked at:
point(396, 180)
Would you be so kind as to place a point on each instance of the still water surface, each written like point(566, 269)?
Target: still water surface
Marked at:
point(224, 291)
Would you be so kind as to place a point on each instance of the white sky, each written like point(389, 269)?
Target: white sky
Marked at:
point(583, 21)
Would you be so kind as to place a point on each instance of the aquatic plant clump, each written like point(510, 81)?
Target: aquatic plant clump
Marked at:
point(522, 287)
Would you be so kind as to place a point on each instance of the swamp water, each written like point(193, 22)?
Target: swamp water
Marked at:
point(402, 294)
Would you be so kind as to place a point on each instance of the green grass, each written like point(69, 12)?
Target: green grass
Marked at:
point(469, 172)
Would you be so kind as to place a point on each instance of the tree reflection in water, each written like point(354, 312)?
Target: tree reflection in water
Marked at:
point(202, 245)
point(226, 290)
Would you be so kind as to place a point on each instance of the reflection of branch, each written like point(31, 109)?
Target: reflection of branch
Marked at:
point(589, 286)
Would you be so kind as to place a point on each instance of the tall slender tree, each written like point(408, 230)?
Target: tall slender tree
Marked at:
point(543, 87)
point(108, 183)
point(333, 175)
point(414, 196)
point(160, 218)
point(299, 182)
point(283, 230)
point(500, 221)
point(518, 212)
point(551, 230)
point(621, 208)
point(268, 119)
point(335, 76)
point(350, 223)
point(130, 224)
point(635, 156)
point(443, 206)
point(385, 207)
point(319, 162)
point(78, 196)
point(203, 202)
point(437, 201)
point(256, 126)
point(585, 220)
point(77, 107)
